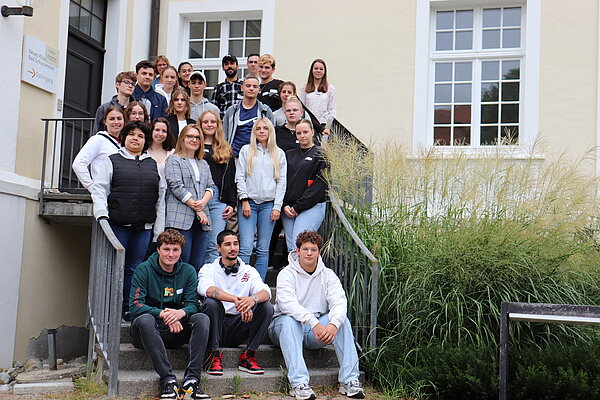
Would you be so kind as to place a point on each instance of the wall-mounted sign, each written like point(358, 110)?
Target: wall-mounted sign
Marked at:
point(40, 64)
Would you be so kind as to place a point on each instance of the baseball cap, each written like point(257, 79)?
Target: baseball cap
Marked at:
point(229, 57)
point(197, 75)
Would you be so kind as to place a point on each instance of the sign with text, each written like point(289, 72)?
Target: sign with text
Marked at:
point(40, 64)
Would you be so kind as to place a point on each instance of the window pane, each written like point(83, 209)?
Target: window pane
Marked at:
point(509, 134)
point(462, 93)
point(253, 28)
point(441, 114)
point(489, 135)
point(462, 71)
point(196, 30)
point(441, 136)
point(464, 40)
point(443, 72)
point(85, 21)
point(443, 41)
point(443, 93)
point(489, 113)
point(490, 70)
point(212, 49)
point(464, 19)
point(462, 135)
point(196, 49)
point(489, 92)
point(213, 30)
point(511, 38)
point(491, 39)
point(97, 28)
point(236, 29)
point(74, 16)
point(212, 77)
point(87, 4)
point(445, 20)
point(511, 69)
point(236, 47)
point(510, 113)
point(491, 18)
point(252, 46)
point(462, 114)
point(98, 9)
point(510, 91)
point(512, 16)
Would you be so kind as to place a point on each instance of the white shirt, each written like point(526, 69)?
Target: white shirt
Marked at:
point(94, 152)
point(246, 282)
point(322, 105)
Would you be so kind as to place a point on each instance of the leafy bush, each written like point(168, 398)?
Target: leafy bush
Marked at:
point(456, 236)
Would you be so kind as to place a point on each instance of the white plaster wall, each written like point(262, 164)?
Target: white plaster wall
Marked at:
point(114, 58)
point(12, 215)
point(140, 40)
point(11, 43)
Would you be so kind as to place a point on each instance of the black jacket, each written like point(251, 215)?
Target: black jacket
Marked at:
point(223, 176)
point(306, 185)
point(174, 124)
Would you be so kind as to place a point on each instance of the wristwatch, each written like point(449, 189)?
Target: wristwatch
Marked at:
point(255, 299)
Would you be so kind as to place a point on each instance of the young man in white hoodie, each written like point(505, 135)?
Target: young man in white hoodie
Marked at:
point(237, 304)
point(310, 311)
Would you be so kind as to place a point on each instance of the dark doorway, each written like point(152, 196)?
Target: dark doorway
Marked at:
point(83, 81)
point(85, 58)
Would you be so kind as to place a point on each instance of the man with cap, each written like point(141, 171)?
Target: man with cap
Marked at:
point(199, 103)
point(229, 92)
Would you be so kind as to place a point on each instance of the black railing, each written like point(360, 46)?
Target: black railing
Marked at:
point(63, 138)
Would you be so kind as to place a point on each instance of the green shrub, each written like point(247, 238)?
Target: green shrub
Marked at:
point(456, 236)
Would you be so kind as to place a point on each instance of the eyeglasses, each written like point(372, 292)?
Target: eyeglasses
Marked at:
point(128, 83)
point(192, 137)
point(137, 114)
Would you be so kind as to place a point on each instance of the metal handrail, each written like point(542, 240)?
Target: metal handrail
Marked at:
point(358, 270)
point(63, 138)
point(105, 296)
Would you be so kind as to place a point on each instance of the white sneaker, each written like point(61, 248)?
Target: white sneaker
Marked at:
point(352, 389)
point(303, 392)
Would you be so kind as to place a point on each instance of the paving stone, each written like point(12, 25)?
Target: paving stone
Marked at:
point(63, 385)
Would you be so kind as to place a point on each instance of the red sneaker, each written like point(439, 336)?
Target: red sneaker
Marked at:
point(249, 364)
point(215, 367)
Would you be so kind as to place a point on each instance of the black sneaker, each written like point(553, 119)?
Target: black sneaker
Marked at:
point(191, 390)
point(170, 390)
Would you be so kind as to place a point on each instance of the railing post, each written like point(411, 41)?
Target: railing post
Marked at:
point(504, 351)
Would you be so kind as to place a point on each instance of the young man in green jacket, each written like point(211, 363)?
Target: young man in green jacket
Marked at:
point(164, 306)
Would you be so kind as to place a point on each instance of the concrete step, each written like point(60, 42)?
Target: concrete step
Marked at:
point(144, 383)
point(269, 356)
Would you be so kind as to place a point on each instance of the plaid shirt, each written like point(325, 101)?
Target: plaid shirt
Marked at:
point(227, 94)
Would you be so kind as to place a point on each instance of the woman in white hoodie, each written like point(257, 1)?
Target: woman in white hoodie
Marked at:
point(260, 177)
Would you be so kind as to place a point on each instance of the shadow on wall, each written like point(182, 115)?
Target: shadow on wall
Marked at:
point(71, 342)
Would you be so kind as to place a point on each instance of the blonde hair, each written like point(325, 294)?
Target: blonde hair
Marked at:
point(179, 92)
point(221, 149)
point(180, 146)
point(271, 147)
point(267, 59)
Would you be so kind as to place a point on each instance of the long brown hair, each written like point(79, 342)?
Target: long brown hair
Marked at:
point(129, 109)
point(310, 83)
point(180, 146)
point(176, 93)
point(170, 141)
point(221, 149)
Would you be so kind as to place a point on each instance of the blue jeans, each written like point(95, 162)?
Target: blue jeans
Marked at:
point(135, 243)
point(259, 220)
point(307, 220)
point(215, 207)
point(194, 249)
point(291, 336)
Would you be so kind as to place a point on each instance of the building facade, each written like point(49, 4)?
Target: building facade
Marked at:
point(464, 74)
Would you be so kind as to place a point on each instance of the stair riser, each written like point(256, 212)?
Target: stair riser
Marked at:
point(218, 386)
point(269, 357)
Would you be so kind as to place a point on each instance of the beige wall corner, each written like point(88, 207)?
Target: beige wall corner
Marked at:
point(569, 76)
point(369, 51)
point(54, 277)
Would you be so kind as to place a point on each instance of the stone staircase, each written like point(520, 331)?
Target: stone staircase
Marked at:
point(137, 376)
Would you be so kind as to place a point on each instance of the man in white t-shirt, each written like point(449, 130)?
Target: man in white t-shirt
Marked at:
point(237, 304)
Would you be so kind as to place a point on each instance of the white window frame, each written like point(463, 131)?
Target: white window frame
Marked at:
point(182, 13)
point(424, 73)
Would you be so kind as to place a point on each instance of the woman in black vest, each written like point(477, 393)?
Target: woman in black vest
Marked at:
point(129, 193)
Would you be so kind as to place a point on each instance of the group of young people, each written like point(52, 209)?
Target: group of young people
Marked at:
point(165, 157)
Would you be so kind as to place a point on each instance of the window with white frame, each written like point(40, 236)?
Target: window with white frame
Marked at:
point(211, 39)
point(476, 81)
